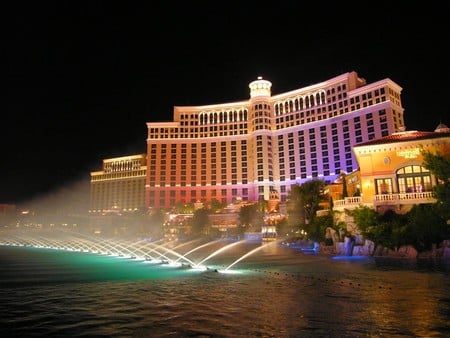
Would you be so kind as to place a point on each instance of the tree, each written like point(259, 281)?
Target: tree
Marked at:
point(295, 208)
point(216, 205)
point(388, 230)
point(394, 231)
point(155, 223)
point(317, 228)
point(304, 201)
point(249, 215)
point(439, 165)
point(199, 222)
point(311, 194)
point(344, 185)
point(184, 208)
point(283, 227)
point(421, 227)
point(365, 218)
point(426, 226)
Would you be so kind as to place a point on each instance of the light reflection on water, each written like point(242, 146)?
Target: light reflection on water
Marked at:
point(278, 292)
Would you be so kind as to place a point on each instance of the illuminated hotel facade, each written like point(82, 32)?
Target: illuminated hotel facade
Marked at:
point(119, 186)
point(247, 150)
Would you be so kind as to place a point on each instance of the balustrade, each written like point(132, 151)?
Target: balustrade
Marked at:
point(399, 198)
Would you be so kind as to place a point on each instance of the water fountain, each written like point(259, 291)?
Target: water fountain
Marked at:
point(157, 252)
point(251, 252)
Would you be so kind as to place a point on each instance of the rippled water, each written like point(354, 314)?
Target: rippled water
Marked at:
point(276, 292)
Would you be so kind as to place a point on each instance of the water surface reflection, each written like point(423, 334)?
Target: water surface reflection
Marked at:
point(278, 292)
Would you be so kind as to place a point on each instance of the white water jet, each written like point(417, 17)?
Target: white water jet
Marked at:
point(72, 241)
point(197, 248)
point(226, 247)
point(248, 254)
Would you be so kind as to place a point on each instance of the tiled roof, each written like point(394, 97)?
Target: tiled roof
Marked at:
point(406, 136)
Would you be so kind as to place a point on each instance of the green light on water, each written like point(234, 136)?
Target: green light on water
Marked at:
point(95, 267)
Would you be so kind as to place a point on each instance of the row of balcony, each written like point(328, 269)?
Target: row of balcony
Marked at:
point(385, 199)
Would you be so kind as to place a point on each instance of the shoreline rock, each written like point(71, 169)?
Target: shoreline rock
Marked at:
point(368, 249)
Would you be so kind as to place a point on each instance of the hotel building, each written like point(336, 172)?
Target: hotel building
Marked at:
point(250, 149)
point(119, 186)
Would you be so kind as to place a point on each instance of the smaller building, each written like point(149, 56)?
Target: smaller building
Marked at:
point(177, 226)
point(226, 221)
point(268, 232)
point(391, 172)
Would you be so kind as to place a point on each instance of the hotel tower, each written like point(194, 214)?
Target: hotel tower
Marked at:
point(249, 150)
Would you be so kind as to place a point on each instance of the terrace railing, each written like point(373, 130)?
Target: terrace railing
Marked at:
point(386, 199)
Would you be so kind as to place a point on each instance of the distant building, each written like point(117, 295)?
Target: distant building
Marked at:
point(7, 214)
point(249, 149)
point(7, 208)
point(118, 188)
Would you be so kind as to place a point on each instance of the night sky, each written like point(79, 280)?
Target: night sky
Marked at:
point(82, 79)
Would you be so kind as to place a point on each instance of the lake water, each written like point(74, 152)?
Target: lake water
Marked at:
point(274, 292)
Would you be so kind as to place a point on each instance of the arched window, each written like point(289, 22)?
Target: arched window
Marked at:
point(413, 178)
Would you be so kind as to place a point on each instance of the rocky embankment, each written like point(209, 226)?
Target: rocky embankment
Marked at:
point(367, 248)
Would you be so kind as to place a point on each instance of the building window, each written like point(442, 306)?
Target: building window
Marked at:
point(413, 178)
point(383, 186)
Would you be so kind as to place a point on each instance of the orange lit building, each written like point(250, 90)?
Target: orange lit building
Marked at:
point(391, 172)
point(248, 149)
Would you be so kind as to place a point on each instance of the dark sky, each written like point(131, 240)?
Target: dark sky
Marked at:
point(81, 79)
